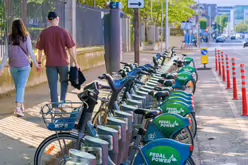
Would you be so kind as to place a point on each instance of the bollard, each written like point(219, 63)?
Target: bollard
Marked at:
point(235, 90)
point(228, 73)
point(216, 62)
point(244, 97)
point(223, 67)
point(219, 62)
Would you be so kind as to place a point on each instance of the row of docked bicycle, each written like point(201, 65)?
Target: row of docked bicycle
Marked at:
point(146, 118)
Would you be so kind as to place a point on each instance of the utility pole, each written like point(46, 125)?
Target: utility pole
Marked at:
point(137, 36)
point(167, 24)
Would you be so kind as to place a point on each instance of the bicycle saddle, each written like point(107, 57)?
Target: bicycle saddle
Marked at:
point(184, 55)
point(159, 94)
point(147, 113)
point(169, 89)
point(147, 69)
point(167, 76)
point(167, 83)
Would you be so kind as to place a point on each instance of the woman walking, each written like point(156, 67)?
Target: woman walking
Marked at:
point(19, 50)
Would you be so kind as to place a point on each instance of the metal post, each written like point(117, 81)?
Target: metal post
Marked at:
point(167, 24)
point(137, 36)
point(162, 26)
point(197, 24)
point(24, 11)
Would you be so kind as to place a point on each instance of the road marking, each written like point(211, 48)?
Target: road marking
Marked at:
point(236, 113)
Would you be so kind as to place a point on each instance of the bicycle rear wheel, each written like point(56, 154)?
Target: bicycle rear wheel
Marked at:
point(48, 151)
point(193, 128)
point(100, 117)
point(190, 86)
point(184, 136)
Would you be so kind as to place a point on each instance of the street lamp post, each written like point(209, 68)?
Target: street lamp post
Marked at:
point(162, 26)
point(167, 24)
point(197, 24)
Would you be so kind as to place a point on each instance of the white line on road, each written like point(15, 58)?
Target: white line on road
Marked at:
point(241, 122)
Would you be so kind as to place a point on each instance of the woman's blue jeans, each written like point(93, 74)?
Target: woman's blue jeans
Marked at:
point(20, 77)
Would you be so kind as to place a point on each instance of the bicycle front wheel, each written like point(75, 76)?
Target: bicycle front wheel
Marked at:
point(54, 150)
point(190, 161)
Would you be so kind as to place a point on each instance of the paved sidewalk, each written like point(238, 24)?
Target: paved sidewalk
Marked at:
point(19, 137)
point(222, 133)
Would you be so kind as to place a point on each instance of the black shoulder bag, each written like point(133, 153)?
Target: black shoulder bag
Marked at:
point(31, 63)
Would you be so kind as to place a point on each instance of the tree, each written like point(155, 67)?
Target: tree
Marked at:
point(179, 10)
point(203, 24)
point(242, 27)
point(221, 22)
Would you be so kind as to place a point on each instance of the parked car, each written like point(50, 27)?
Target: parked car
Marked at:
point(220, 39)
point(233, 37)
point(245, 43)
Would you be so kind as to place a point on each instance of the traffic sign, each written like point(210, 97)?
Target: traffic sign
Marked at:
point(115, 5)
point(204, 52)
point(136, 4)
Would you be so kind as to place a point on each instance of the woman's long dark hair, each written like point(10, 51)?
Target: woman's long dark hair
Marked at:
point(18, 33)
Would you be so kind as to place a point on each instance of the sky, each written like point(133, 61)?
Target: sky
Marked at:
point(225, 2)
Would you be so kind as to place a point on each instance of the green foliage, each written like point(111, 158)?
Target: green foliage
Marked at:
point(242, 27)
point(221, 22)
point(203, 24)
point(179, 10)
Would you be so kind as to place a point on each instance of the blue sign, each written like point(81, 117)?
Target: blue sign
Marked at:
point(204, 52)
point(115, 5)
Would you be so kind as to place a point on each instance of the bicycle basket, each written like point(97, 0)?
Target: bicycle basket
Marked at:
point(63, 119)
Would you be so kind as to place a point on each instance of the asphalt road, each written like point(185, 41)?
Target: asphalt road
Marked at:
point(227, 45)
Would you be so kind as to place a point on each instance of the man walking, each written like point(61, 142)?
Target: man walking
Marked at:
point(54, 40)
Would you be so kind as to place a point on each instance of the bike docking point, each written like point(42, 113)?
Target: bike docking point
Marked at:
point(244, 97)
point(219, 61)
point(228, 73)
point(128, 118)
point(235, 88)
point(223, 66)
point(77, 157)
point(115, 123)
point(113, 141)
point(97, 146)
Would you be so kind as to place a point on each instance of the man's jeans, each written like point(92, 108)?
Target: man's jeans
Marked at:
point(20, 77)
point(52, 76)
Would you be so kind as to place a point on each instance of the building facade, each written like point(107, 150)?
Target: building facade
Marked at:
point(240, 14)
point(210, 12)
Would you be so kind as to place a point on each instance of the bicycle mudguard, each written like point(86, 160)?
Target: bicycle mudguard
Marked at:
point(189, 59)
point(177, 108)
point(181, 93)
point(182, 98)
point(182, 79)
point(163, 151)
point(187, 69)
point(175, 101)
point(165, 126)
